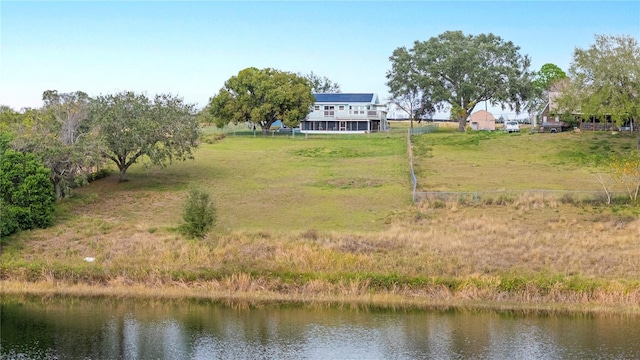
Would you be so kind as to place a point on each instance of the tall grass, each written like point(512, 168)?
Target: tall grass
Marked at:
point(530, 255)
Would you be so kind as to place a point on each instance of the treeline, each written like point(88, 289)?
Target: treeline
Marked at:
point(45, 152)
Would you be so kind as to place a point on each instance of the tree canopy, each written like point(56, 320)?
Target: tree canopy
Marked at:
point(605, 80)
point(59, 134)
point(70, 110)
point(455, 72)
point(546, 80)
point(261, 97)
point(131, 126)
point(321, 84)
point(548, 75)
point(403, 83)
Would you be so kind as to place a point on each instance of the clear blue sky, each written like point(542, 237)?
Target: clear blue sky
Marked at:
point(191, 48)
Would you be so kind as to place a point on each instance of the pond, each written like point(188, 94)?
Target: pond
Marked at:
point(106, 328)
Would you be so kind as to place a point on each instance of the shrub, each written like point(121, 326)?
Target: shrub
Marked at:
point(26, 193)
point(100, 174)
point(199, 214)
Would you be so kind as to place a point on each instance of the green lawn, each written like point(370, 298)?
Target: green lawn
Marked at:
point(481, 161)
point(274, 183)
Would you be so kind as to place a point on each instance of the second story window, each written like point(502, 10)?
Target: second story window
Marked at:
point(329, 111)
point(356, 110)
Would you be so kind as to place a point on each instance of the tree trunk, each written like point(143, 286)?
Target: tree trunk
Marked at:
point(462, 124)
point(58, 188)
point(123, 172)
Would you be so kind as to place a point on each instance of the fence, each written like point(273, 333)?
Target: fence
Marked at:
point(488, 197)
point(416, 131)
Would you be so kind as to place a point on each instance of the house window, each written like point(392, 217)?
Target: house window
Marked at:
point(329, 111)
point(355, 110)
point(317, 107)
point(341, 107)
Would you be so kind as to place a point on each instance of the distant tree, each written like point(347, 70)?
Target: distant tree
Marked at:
point(547, 76)
point(8, 118)
point(320, 85)
point(605, 80)
point(453, 71)
point(133, 127)
point(262, 96)
point(403, 84)
point(71, 111)
point(26, 193)
point(204, 116)
point(544, 81)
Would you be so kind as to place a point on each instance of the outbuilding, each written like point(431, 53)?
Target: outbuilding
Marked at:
point(482, 120)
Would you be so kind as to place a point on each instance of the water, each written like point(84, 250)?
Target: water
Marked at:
point(70, 328)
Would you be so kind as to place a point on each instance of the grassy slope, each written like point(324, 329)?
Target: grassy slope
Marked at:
point(331, 217)
point(287, 184)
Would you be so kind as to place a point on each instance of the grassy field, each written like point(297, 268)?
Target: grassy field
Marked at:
point(480, 161)
point(330, 219)
point(275, 184)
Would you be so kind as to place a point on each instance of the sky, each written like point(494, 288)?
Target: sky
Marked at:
point(190, 48)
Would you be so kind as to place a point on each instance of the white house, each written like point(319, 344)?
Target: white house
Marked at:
point(344, 113)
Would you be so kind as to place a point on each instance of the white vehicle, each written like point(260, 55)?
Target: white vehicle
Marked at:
point(511, 126)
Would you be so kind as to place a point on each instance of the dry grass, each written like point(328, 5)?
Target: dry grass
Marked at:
point(478, 254)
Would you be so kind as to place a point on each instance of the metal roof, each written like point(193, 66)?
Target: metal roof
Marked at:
point(345, 98)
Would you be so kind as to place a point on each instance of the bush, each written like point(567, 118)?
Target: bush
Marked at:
point(26, 193)
point(100, 174)
point(199, 214)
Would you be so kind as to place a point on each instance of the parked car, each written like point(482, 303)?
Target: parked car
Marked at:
point(288, 130)
point(511, 126)
point(552, 127)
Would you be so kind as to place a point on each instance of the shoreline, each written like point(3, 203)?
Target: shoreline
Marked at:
point(250, 298)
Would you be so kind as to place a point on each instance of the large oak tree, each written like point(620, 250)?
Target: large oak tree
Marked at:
point(455, 72)
point(133, 126)
point(261, 97)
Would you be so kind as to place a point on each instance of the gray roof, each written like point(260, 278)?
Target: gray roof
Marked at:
point(345, 98)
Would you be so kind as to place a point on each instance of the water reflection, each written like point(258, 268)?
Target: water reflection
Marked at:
point(126, 329)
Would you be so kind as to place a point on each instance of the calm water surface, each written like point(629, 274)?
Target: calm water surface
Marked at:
point(128, 329)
